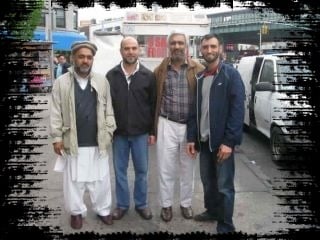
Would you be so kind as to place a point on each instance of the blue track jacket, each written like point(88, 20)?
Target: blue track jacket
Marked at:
point(226, 109)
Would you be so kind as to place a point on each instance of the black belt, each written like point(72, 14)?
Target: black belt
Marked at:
point(182, 121)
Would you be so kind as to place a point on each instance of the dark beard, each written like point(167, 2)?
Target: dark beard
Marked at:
point(211, 59)
point(130, 63)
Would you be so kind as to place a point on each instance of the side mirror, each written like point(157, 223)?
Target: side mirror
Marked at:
point(265, 87)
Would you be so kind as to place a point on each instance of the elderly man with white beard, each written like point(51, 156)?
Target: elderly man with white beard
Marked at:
point(175, 77)
point(82, 125)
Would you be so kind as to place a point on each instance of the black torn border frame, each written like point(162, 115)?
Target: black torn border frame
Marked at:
point(15, 211)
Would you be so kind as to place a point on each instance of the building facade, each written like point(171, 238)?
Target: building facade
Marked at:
point(59, 25)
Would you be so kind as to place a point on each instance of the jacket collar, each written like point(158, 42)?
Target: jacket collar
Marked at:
point(92, 81)
point(136, 69)
point(206, 72)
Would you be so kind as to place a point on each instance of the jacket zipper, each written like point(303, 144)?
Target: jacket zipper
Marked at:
point(213, 80)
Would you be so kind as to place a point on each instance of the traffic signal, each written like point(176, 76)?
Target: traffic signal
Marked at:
point(264, 29)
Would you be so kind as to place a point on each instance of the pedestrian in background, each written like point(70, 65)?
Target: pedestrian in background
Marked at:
point(55, 61)
point(214, 129)
point(61, 67)
point(176, 83)
point(133, 96)
point(82, 125)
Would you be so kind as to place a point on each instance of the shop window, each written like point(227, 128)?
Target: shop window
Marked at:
point(42, 20)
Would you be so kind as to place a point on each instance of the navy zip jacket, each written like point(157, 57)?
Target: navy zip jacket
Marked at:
point(226, 109)
point(133, 106)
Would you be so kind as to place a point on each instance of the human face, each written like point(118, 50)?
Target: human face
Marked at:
point(129, 50)
point(83, 60)
point(62, 59)
point(177, 47)
point(211, 50)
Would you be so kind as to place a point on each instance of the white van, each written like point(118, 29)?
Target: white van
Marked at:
point(272, 99)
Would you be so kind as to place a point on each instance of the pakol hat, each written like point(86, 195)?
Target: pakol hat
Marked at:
point(84, 44)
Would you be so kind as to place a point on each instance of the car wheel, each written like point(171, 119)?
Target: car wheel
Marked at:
point(278, 145)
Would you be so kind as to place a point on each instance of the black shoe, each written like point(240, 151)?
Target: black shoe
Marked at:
point(76, 221)
point(106, 219)
point(205, 217)
point(145, 213)
point(166, 214)
point(118, 213)
point(186, 212)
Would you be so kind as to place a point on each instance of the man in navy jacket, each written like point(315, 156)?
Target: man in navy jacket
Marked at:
point(62, 66)
point(214, 129)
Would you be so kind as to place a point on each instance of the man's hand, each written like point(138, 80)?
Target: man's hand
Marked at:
point(224, 153)
point(151, 140)
point(58, 146)
point(191, 150)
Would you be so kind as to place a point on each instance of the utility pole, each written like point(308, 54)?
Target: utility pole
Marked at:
point(260, 40)
point(49, 29)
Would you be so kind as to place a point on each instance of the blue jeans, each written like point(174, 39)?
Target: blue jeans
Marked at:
point(218, 187)
point(138, 145)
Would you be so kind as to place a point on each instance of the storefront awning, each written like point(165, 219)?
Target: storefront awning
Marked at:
point(62, 40)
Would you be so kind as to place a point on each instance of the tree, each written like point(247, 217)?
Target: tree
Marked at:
point(19, 18)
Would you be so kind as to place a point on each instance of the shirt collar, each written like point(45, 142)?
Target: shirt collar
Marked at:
point(78, 78)
point(136, 69)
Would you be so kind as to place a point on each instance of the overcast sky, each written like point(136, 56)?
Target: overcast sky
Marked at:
point(100, 13)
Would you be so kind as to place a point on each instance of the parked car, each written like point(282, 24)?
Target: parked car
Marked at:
point(274, 100)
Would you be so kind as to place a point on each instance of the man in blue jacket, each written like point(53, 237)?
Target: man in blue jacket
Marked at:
point(214, 129)
point(62, 66)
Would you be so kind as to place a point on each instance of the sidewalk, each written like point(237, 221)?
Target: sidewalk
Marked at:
point(255, 211)
point(255, 206)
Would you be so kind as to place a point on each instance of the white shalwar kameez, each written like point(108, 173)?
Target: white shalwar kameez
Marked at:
point(89, 170)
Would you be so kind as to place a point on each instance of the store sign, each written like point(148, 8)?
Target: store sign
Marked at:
point(168, 17)
point(157, 46)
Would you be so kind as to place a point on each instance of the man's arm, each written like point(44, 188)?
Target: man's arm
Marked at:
point(234, 126)
point(56, 119)
point(110, 119)
point(192, 127)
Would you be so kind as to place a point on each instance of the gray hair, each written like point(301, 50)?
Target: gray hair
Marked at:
point(178, 32)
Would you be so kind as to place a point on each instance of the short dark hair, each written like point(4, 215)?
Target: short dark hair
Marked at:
point(212, 35)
